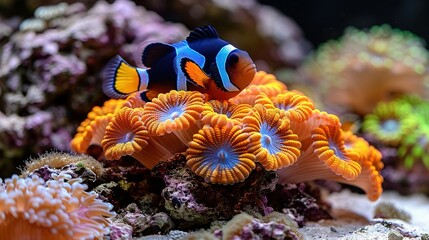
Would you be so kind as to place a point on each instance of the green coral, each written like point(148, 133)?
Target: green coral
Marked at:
point(390, 122)
point(402, 124)
point(414, 146)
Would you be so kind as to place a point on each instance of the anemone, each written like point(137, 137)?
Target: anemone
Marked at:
point(262, 82)
point(220, 154)
point(390, 122)
point(176, 112)
point(317, 118)
point(59, 160)
point(135, 100)
point(356, 144)
point(414, 147)
point(293, 105)
point(91, 130)
point(328, 146)
point(31, 208)
point(109, 106)
point(326, 156)
point(92, 134)
point(370, 179)
point(329, 159)
point(274, 144)
point(218, 113)
point(126, 135)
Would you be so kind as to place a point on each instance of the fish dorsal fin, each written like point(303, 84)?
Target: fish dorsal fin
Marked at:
point(201, 33)
point(154, 51)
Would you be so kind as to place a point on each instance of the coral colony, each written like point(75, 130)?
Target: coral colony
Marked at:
point(185, 160)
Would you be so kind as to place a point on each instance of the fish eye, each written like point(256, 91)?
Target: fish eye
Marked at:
point(233, 58)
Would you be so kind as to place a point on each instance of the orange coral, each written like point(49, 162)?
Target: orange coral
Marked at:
point(175, 112)
point(338, 162)
point(91, 130)
point(134, 100)
point(126, 135)
point(57, 209)
point(274, 144)
point(317, 118)
point(262, 82)
point(220, 112)
point(293, 105)
point(220, 155)
point(328, 146)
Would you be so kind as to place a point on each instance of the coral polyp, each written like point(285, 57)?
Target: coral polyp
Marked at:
point(176, 112)
point(389, 122)
point(273, 142)
point(328, 146)
point(220, 112)
point(220, 155)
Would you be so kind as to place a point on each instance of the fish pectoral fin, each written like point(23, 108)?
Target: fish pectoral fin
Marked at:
point(154, 51)
point(119, 78)
point(194, 73)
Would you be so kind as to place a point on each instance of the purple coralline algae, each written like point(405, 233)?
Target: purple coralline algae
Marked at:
point(50, 65)
point(302, 202)
point(245, 227)
point(142, 224)
point(193, 202)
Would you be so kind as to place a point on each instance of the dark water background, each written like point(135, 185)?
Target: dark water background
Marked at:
point(324, 20)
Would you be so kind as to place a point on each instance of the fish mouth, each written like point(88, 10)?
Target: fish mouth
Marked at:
point(249, 67)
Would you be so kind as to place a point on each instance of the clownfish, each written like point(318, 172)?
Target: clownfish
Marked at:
point(202, 62)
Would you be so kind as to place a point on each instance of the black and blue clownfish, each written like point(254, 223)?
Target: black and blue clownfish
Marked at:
point(203, 62)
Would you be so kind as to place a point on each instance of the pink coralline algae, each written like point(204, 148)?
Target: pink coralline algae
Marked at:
point(50, 68)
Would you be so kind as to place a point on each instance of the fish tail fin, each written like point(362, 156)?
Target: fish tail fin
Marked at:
point(120, 79)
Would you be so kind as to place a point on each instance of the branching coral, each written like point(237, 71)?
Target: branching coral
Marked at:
point(365, 67)
point(220, 155)
point(274, 144)
point(31, 208)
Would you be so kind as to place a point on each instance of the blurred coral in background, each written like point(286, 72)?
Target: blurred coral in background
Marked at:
point(363, 68)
